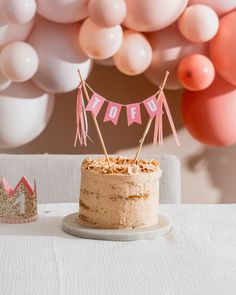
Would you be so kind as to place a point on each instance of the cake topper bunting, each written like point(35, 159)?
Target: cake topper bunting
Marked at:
point(154, 106)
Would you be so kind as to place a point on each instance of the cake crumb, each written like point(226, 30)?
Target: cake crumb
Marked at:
point(120, 165)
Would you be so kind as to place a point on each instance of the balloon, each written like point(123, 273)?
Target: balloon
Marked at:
point(220, 6)
point(196, 72)
point(107, 13)
point(169, 47)
point(209, 115)
point(98, 42)
point(19, 61)
point(14, 32)
point(134, 55)
point(4, 82)
point(17, 12)
point(223, 48)
point(199, 23)
point(24, 113)
point(63, 11)
point(59, 56)
point(152, 15)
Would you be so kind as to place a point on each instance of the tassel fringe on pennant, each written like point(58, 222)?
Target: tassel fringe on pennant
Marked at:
point(158, 128)
point(81, 119)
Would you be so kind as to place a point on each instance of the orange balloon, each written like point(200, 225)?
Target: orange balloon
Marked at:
point(196, 72)
point(223, 48)
point(209, 115)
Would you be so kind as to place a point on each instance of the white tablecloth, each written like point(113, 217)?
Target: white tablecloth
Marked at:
point(197, 257)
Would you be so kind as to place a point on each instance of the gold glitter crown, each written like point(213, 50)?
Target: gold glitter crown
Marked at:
point(18, 205)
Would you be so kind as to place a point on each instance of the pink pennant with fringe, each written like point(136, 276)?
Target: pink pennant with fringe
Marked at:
point(81, 120)
point(158, 128)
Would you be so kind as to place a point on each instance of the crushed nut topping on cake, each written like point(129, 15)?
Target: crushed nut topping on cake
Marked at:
point(120, 165)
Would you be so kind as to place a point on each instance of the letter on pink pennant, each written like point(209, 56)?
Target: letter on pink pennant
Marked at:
point(133, 113)
point(112, 112)
point(95, 104)
point(151, 106)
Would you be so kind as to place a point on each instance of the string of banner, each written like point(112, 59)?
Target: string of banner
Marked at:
point(155, 107)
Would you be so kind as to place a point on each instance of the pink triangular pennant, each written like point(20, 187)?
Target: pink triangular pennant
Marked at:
point(112, 112)
point(95, 104)
point(133, 113)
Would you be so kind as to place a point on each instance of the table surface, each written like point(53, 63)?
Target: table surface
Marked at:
point(197, 257)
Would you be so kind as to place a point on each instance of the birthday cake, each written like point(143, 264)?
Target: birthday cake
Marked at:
point(123, 195)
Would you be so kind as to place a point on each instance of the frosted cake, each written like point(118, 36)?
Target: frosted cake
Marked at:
point(126, 195)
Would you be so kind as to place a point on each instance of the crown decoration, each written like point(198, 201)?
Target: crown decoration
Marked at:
point(18, 205)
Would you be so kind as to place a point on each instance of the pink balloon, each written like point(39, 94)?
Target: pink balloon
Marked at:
point(17, 12)
point(152, 15)
point(107, 13)
point(98, 42)
point(199, 23)
point(19, 61)
point(63, 11)
point(223, 48)
point(169, 48)
point(220, 6)
point(134, 55)
point(196, 72)
point(209, 115)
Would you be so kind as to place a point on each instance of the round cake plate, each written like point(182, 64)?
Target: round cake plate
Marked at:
point(72, 227)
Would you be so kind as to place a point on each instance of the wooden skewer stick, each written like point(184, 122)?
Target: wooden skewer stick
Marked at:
point(95, 121)
point(149, 123)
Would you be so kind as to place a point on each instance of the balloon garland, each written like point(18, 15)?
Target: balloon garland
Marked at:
point(47, 41)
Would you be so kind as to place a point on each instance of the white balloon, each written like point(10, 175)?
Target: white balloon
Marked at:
point(19, 61)
point(4, 82)
point(60, 56)
point(25, 111)
point(63, 11)
point(17, 12)
point(14, 32)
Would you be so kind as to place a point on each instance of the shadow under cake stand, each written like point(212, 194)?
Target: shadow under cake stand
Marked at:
point(71, 226)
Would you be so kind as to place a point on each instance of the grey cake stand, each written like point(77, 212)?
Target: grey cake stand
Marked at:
point(72, 227)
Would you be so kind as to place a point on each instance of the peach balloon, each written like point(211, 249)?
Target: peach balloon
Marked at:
point(63, 11)
point(152, 15)
point(134, 55)
point(14, 32)
point(98, 42)
point(199, 23)
point(209, 115)
point(196, 72)
point(17, 12)
point(60, 56)
point(107, 13)
point(19, 61)
point(25, 111)
point(169, 48)
point(223, 48)
point(220, 6)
